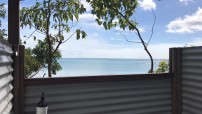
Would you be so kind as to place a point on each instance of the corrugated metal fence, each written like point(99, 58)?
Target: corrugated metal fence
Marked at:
point(191, 80)
point(126, 94)
point(6, 78)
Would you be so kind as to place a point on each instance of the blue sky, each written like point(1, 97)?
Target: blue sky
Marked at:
point(179, 22)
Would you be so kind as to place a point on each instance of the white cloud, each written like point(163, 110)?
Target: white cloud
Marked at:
point(187, 24)
point(88, 20)
point(87, 17)
point(86, 5)
point(147, 4)
point(99, 48)
point(141, 29)
point(196, 42)
point(186, 1)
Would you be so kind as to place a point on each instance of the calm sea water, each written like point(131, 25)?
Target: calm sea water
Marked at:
point(88, 67)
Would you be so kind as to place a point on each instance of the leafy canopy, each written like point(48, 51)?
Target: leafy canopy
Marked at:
point(52, 15)
point(32, 65)
point(163, 67)
point(111, 13)
point(40, 53)
point(56, 15)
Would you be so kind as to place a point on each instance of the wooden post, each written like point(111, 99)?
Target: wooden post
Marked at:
point(175, 67)
point(13, 21)
point(13, 38)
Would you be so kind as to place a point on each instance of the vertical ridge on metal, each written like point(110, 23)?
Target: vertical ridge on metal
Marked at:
point(16, 79)
point(175, 67)
point(21, 78)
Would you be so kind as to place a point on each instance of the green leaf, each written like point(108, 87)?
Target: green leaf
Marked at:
point(76, 16)
point(34, 38)
point(78, 34)
point(71, 16)
point(83, 34)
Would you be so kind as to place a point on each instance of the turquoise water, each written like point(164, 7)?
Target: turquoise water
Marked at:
point(88, 67)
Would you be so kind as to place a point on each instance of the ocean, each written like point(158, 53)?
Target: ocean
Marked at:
point(95, 66)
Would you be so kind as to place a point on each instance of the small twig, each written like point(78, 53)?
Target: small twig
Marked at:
point(127, 39)
point(42, 32)
point(69, 37)
point(60, 42)
point(152, 32)
point(31, 34)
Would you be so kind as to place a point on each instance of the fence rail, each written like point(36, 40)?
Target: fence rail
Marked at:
point(101, 78)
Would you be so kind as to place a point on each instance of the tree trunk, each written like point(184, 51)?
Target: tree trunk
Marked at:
point(152, 62)
point(49, 65)
point(145, 48)
point(150, 56)
point(49, 42)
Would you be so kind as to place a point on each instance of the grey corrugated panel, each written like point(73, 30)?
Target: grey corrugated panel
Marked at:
point(5, 78)
point(5, 90)
point(192, 106)
point(101, 86)
point(194, 50)
point(5, 42)
point(191, 71)
point(195, 97)
point(4, 104)
point(192, 83)
point(8, 108)
point(5, 61)
point(192, 89)
point(192, 64)
point(192, 57)
point(194, 77)
point(189, 109)
point(192, 80)
point(147, 96)
point(2, 52)
point(5, 70)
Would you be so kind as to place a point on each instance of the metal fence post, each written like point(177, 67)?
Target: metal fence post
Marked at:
point(175, 67)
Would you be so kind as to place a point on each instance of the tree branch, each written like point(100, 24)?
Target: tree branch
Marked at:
point(127, 39)
point(35, 73)
point(139, 35)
